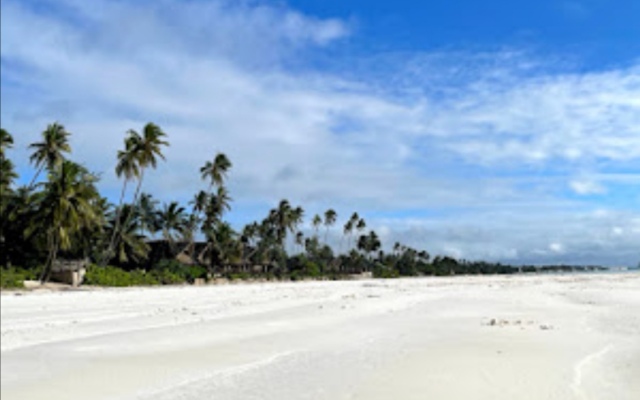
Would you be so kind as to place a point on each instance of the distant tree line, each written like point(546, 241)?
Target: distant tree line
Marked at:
point(61, 214)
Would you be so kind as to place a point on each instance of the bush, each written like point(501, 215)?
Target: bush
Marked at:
point(113, 276)
point(13, 278)
point(172, 271)
point(383, 271)
point(167, 277)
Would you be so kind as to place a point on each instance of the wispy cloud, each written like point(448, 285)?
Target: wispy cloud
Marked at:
point(458, 133)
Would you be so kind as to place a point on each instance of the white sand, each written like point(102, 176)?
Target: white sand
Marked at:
point(553, 337)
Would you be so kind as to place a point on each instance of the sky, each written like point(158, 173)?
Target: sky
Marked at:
point(499, 130)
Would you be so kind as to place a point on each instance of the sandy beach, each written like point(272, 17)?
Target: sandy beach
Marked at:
point(500, 337)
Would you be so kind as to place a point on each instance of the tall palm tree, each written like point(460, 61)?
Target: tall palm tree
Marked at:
point(282, 219)
point(329, 219)
point(297, 216)
point(216, 171)
point(346, 232)
point(129, 168)
point(351, 225)
point(146, 149)
point(300, 239)
point(141, 152)
point(217, 204)
point(361, 225)
point(50, 152)
point(316, 222)
point(64, 208)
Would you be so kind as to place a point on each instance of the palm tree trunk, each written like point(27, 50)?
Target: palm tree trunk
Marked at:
point(51, 258)
point(135, 199)
point(107, 256)
point(33, 181)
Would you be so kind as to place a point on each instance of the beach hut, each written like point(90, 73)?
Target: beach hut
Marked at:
point(71, 272)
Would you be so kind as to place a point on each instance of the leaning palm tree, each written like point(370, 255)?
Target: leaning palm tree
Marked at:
point(128, 168)
point(50, 152)
point(216, 171)
point(64, 208)
point(141, 152)
point(146, 149)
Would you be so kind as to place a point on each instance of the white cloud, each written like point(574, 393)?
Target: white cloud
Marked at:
point(586, 187)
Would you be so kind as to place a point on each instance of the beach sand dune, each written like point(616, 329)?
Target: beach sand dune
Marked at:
point(500, 337)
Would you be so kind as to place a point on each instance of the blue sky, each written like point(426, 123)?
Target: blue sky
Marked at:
point(494, 130)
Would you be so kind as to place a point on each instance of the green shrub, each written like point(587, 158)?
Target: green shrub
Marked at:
point(166, 277)
point(383, 271)
point(172, 271)
point(241, 276)
point(311, 269)
point(113, 276)
point(13, 278)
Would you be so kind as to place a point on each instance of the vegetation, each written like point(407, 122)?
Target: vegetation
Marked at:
point(60, 214)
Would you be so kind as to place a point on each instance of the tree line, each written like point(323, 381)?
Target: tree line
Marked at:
point(61, 214)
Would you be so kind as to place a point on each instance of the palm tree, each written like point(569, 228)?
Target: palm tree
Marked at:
point(369, 244)
point(198, 206)
point(141, 152)
point(149, 221)
point(300, 239)
point(7, 176)
point(64, 208)
point(217, 204)
point(50, 152)
point(346, 232)
point(297, 216)
point(329, 219)
point(146, 149)
point(173, 222)
point(130, 245)
point(129, 168)
point(282, 219)
point(316, 222)
point(361, 225)
point(228, 250)
point(350, 226)
point(250, 234)
point(6, 141)
point(216, 171)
